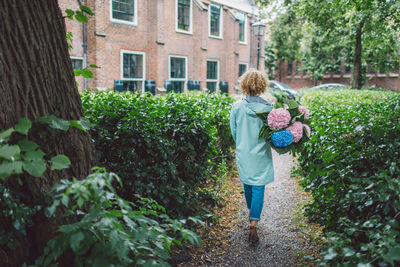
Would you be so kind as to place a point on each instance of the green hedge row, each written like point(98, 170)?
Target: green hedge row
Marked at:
point(161, 147)
point(351, 166)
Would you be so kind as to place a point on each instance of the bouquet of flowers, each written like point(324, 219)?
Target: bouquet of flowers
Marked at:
point(286, 125)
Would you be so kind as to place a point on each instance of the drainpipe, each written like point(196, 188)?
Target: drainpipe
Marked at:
point(251, 35)
point(84, 45)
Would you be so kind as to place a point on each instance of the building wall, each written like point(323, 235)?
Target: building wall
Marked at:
point(155, 35)
point(301, 80)
point(75, 28)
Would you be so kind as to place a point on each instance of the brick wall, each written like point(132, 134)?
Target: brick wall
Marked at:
point(156, 36)
point(301, 80)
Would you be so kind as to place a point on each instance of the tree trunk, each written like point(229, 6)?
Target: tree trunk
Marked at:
point(36, 79)
point(280, 71)
point(357, 79)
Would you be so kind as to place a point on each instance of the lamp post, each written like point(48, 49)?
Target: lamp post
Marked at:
point(259, 30)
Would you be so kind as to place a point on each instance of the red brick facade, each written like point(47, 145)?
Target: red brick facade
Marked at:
point(299, 79)
point(156, 38)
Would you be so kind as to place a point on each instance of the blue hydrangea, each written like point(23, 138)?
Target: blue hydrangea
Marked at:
point(282, 138)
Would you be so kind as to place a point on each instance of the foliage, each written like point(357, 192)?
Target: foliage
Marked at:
point(351, 165)
point(19, 155)
point(111, 231)
point(270, 59)
point(162, 147)
point(286, 35)
point(336, 25)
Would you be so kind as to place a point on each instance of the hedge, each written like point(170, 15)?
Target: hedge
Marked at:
point(161, 147)
point(351, 165)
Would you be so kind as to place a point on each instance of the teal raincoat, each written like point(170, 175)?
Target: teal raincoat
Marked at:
point(253, 156)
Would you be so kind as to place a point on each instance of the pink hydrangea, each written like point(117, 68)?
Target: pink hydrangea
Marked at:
point(307, 129)
point(297, 131)
point(278, 118)
point(304, 110)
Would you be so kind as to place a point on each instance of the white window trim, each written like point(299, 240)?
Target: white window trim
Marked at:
point(122, 66)
point(190, 31)
point(186, 71)
point(247, 67)
point(135, 19)
point(245, 30)
point(220, 22)
point(214, 80)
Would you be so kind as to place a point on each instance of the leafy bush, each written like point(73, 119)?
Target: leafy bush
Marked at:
point(20, 155)
point(110, 231)
point(351, 165)
point(162, 147)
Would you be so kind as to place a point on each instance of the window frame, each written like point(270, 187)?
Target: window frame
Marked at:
point(245, 29)
point(120, 21)
point(77, 58)
point(220, 22)
point(218, 76)
point(184, 80)
point(247, 68)
point(132, 52)
point(190, 31)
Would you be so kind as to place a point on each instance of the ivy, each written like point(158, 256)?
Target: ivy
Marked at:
point(351, 167)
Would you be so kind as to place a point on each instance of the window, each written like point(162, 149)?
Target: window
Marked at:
point(298, 65)
point(242, 27)
point(347, 68)
point(215, 21)
point(124, 11)
point(338, 68)
point(242, 69)
point(77, 63)
point(184, 16)
point(177, 73)
point(133, 69)
point(212, 75)
point(289, 70)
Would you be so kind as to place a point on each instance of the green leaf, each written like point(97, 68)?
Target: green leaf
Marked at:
point(23, 126)
point(5, 135)
point(76, 240)
point(81, 17)
point(60, 162)
point(86, 73)
point(26, 145)
point(35, 168)
point(55, 123)
point(86, 9)
point(8, 168)
point(330, 255)
point(70, 13)
point(9, 152)
point(34, 155)
point(83, 124)
point(94, 66)
point(77, 72)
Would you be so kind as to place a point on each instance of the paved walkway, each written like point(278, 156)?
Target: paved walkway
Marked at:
point(279, 243)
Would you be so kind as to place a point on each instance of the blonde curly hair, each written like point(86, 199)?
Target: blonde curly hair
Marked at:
point(253, 82)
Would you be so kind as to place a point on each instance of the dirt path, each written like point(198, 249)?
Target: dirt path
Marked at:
point(280, 242)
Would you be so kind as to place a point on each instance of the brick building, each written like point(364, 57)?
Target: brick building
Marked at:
point(291, 75)
point(176, 44)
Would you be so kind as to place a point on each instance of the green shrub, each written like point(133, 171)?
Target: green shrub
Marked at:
point(162, 147)
point(351, 165)
point(110, 231)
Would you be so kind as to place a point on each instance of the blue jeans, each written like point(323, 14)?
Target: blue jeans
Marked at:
point(254, 195)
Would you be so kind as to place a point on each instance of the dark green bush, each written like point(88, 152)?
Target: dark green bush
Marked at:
point(162, 147)
point(110, 231)
point(351, 165)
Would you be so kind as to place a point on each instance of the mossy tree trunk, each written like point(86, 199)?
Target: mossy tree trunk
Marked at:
point(36, 79)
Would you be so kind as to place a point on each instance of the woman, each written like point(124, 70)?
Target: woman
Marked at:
point(253, 156)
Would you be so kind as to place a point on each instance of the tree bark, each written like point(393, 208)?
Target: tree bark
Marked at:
point(357, 74)
point(36, 79)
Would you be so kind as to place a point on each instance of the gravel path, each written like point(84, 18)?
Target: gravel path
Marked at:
point(279, 243)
